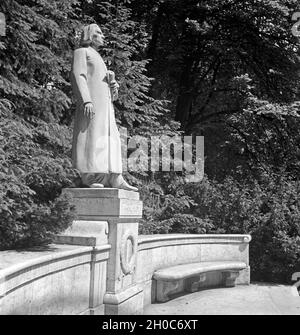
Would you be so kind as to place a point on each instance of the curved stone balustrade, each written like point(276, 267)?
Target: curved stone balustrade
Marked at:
point(68, 279)
point(60, 279)
point(163, 251)
point(101, 266)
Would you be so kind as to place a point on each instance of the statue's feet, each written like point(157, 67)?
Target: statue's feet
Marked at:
point(96, 185)
point(117, 181)
point(127, 187)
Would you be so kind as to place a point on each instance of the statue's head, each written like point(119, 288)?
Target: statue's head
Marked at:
point(92, 35)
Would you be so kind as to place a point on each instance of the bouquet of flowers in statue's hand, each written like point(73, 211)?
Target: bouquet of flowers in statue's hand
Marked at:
point(114, 86)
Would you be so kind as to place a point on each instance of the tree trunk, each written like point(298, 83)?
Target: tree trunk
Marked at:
point(155, 32)
point(185, 97)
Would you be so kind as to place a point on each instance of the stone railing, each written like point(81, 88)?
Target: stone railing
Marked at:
point(162, 251)
point(101, 266)
point(60, 280)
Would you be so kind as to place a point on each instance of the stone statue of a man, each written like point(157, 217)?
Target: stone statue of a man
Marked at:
point(96, 150)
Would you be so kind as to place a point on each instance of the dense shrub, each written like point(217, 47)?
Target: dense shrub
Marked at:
point(269, 211)
point(162, 200)
point(242, 100)
point(35, 131)
point(33, 170)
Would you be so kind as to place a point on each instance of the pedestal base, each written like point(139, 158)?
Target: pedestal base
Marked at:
point(127, 302)
point(97, 204)
point(110, 216)
point(85, 233)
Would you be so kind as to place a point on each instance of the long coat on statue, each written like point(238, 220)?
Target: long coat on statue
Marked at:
point(96, 142)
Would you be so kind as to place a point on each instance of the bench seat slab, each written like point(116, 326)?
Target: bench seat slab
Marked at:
point(183, 271)
point(194, 276)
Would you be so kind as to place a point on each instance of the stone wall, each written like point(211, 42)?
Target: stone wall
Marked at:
point(101, 265)
point(66, 279)
point(162, 251)
point(58, 280)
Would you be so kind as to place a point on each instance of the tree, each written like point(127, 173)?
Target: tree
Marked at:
point(34, 166)
point(36, 107)
point(124, 53)
point(36, 55)
point(209, 53)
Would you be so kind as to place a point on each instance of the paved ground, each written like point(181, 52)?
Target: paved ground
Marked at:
point(257, 298)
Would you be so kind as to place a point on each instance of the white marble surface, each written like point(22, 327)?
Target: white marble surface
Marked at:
point(255, 299)
point(103, 204)
point(58, 279)
point(10, 258)
point(102, 193)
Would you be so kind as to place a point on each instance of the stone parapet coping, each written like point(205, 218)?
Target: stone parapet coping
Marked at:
point(13, 276)
point(117, 218)
point(155, 241)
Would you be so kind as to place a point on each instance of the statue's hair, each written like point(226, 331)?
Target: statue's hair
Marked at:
point(87, 34)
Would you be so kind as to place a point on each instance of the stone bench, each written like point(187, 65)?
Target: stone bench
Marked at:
point(194, 275)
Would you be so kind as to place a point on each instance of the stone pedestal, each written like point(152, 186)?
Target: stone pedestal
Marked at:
point(110, 216)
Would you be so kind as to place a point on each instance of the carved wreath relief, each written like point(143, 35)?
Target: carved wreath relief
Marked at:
point(128, 252)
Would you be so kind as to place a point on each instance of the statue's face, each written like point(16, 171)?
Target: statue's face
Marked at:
point(98, 37)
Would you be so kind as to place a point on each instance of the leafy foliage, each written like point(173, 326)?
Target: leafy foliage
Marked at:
point(124, 52)
point(207, 55)
point(36, 107)
point(31, 178)
point(35, 54)
point(269, 211)
point(224, 69)
point(267, 134)
point(34, 95)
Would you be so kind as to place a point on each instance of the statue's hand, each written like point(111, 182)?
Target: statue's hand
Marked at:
point(110, 76)
point(89, 110)
point(114, 86)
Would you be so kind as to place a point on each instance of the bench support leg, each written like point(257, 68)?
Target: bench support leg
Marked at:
point(164, 289)
point(193, 284)
point(229, 278)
